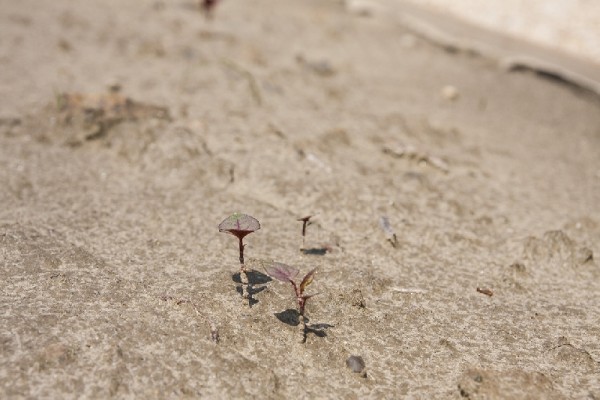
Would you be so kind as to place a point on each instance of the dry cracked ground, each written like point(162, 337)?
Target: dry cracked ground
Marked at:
point(129, 130)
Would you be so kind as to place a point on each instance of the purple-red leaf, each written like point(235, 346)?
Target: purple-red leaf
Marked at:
point(308, 278)
point(239, 225)
point(282, 272)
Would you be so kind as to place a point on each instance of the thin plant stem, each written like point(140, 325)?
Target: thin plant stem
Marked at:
point(301, 317)
point(241, 251)
point(243, 275)
point(302, 328)
point(305, 222)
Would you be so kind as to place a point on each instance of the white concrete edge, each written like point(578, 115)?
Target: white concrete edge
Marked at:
point(510, 53)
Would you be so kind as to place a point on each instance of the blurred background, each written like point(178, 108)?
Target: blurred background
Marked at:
point(572, 26)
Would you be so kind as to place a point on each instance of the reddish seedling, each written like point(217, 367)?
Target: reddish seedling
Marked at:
point(240, 225)
point(320, 250)
point(305, 222)
point(286, 273)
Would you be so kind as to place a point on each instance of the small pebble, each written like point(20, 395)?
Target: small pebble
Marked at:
point(356, 364)
point(449, 92)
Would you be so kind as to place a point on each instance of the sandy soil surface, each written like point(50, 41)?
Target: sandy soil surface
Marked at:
point(114, 274)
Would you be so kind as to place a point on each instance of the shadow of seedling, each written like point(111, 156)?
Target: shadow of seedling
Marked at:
point(318, 329)
point(291, 317)
point(254, 278)
point(316, 251)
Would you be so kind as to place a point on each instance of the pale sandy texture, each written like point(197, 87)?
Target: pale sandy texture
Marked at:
point(571, 26)
point(112, 269)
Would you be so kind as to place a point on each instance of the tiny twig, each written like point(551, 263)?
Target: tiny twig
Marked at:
point(486, 291)
point(384, 223)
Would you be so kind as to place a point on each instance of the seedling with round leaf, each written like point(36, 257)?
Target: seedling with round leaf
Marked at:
point(240, 225)
point(286, 273)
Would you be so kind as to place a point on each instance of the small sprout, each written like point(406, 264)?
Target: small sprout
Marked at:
point(305, 222)
point(318, 251)
point(357, 365)
point(286, 273)
point(240, 225)
point(384, 223)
